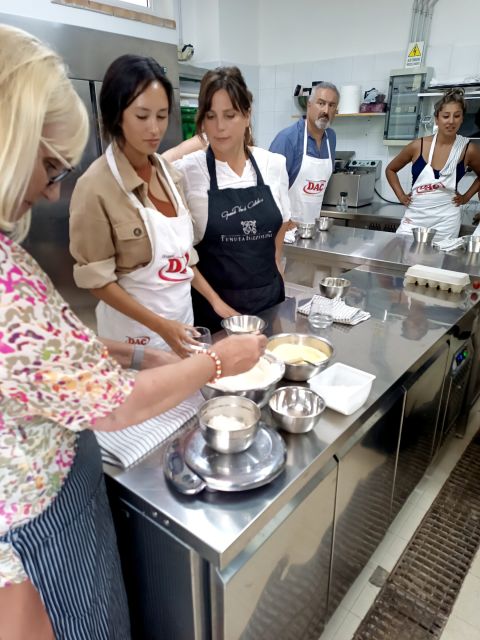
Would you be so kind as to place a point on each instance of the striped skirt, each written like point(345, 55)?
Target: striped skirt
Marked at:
point(70, 554)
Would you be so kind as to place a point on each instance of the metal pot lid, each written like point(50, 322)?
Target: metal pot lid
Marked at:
point(263, 461)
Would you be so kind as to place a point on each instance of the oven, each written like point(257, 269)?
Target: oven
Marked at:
point(455, 391)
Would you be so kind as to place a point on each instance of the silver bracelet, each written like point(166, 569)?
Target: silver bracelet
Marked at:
point(137, 356)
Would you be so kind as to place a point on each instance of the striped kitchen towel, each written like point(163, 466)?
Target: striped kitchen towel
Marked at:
point(125, 447)
point(337, 308)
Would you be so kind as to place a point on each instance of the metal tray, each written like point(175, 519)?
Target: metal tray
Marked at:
point(263, 461)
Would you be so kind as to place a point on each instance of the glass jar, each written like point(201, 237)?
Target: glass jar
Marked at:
point(342, 201)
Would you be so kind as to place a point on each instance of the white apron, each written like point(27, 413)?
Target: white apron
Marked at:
point(163, 285)
point(307, 191)
point(431, 204)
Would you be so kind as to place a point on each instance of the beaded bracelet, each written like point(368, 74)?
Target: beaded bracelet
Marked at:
point(218, 365)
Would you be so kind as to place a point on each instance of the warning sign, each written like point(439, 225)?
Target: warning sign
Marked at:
point(414, 55)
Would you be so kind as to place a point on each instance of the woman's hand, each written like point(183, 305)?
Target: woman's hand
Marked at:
point(406, 199)
point(177, 335)
point(223, 309)
point(459, 199)
point(239, 353)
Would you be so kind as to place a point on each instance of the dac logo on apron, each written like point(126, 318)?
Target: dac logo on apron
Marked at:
point(175, 270)
point(428, 188)
point(140, 340)
point(312, 187)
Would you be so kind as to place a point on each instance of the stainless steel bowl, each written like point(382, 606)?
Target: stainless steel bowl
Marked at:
point(296, 409)
point(334, 287)
point(423, 234)
point(259, 395)
point(302, 372)
point(305, 229)
point(472, 244)
point(224, 435)
point(243, 324)
point(323, 223)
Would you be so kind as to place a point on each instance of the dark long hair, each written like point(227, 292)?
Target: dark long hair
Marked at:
point(230, 79)
point(451, 95)
point(125, 79)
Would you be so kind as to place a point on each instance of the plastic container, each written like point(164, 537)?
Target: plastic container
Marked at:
point(188, 115)
point(342, 201)
point(443, 279)
point(344, 388)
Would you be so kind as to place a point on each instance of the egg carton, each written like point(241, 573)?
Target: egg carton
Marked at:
point(434, 278)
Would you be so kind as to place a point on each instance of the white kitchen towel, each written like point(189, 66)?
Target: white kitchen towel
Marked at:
point(337, 308)
point(448, 244)
point(290, 236)
point(125, 447)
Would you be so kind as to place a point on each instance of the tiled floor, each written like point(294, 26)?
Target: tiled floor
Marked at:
point(464, 621)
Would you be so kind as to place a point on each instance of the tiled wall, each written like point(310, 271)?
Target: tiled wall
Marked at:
point(275, 107)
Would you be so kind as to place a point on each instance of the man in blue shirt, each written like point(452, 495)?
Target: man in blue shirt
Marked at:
point(309, 148)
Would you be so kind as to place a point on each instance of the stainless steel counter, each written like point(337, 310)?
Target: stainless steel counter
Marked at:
point(386, 217)
point(220, 526)
point(348, 247)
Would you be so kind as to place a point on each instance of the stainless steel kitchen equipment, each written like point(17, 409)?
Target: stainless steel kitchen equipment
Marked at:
point(323, 223)
point(216, 416)
point(357, 180)
point(423, 235)
point(296, 409)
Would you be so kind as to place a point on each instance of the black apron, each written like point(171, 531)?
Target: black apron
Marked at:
point(237, 252)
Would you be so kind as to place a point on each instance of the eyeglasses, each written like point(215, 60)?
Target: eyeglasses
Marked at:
point(58, 177)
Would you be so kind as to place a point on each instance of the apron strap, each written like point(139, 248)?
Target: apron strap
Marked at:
point(212, 171)
point(432, 149)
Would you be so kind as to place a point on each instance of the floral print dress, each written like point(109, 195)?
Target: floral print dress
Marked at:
point(56, 378)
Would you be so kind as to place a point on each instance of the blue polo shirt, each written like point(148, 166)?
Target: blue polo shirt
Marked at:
point(289, 142)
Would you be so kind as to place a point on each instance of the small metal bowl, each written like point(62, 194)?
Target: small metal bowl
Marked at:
point(296, 409)
point(222, 437)
point(259, 395)
point(472, 244)
point(423, 235)
point(323, 223)
point(243, 324)
point(334, 287)
point(304, 371)
point(305, 229)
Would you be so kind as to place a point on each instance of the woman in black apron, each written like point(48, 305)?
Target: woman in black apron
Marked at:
point(245, 227)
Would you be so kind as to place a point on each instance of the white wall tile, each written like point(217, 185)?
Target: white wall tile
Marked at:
point(266, 77)
point(284, 76)
point(341, 71)
point(385, 62)
point(302, 74)
point(464, 62)
point(282, 119)
point(266, 100)
point(439, 57)
point(284, 100)
point(362, 67)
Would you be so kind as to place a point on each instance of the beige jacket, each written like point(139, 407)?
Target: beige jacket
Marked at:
point(107, 234)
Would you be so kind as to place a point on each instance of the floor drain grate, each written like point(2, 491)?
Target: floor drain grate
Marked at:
point(420, 592)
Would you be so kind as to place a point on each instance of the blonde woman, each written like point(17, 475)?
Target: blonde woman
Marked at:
point(59, 569)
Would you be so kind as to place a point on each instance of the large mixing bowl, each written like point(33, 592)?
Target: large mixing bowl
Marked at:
point(423, 235)
point(260, 394)
point(301, 371)
point(305, 229)
point(243, 324)
point(229, 424)
point(296, 409)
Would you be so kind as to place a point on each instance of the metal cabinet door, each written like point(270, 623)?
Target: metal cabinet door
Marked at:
point(277, 589)
point(366, 472)
point(421, 423)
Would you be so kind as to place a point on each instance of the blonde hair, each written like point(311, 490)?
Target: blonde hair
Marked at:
point(35, 92)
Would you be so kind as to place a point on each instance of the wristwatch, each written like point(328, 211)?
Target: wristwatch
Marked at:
point(137, 356)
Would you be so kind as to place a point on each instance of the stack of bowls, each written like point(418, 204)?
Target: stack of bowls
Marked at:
point(243, 324)
point(334, 287)
point(305, 229)
point(423, 235)
point(323, 223)
point(302, 371)
point(229, 424)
